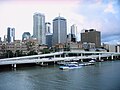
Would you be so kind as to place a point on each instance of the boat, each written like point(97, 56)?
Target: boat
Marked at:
point(86, 64)
point(69, 66)
point(100, 60)
point(64, 67)
point(64, 63)
point(92, 61)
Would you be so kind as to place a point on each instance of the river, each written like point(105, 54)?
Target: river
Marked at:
point(101, 76)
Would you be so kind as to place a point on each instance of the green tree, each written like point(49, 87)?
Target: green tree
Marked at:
point(67, 48)
point(9, 54)
point(3, 47)
point(45, 50)
point(30, 45)
point(18, 53)
point(32, 53)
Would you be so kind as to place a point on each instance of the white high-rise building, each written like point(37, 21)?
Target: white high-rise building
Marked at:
point(59, 30)
point(74, 29)
point(39, 28)
point(73, 33)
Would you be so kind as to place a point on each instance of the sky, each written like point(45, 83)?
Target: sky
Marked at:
point(102, 15)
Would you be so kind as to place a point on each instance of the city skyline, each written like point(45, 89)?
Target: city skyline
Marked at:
point(97, 14)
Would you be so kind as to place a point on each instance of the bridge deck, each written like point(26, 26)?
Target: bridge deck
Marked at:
point(37, 58)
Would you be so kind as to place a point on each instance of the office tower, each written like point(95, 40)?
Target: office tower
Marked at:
point(49, 39)
point(73, 33)
point(10, 34)
point(69, 37)
point(0, 39)
point(48, 34)
point(91, 36)
point(47, 27)
point(5, 38)
point(39, 28)
point(59, 30)
point(26, 35)
point(74, 29)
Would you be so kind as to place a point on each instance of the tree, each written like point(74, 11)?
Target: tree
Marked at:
point(8, 54)
point(18, 53)
point(3, 47)
point(45, 50)
point(86, 49)
point(32, 53)
point(30, 45)
point(67, 48)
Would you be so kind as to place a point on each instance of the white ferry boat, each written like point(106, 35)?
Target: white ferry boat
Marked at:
point(92, 61)
point(69, 66)
point(86, 64)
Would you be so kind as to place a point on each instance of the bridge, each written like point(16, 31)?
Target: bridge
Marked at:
point(55, 57)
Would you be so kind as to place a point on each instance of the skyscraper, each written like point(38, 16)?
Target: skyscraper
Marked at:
point(49, 39)
point(39, 28)
point(47, 27)
point(73, 33)
point(59, 30)
point(26, 35)
point(91, 36)
point(74, 29)
point(48, 34)
point(10, 34)
point(0, 40)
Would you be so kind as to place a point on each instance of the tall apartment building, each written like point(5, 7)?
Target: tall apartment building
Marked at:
point(59, 30)
point(39, 28)
point(91, 36)
point(10, 34)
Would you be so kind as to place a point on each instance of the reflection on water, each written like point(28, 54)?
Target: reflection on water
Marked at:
point(102, 76)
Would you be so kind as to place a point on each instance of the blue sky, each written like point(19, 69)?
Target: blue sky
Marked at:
point(102, 15)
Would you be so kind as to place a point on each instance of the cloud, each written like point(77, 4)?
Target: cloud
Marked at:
point(19, 14)
point(110, 9)
point(102, 15)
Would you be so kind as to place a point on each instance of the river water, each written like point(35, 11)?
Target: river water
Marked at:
point(102, 76)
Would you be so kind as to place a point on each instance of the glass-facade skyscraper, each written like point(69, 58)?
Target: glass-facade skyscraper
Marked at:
point(59, 30)
point(39, 28)
point(48, 34)
point(73, 33)
point(10, 34)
